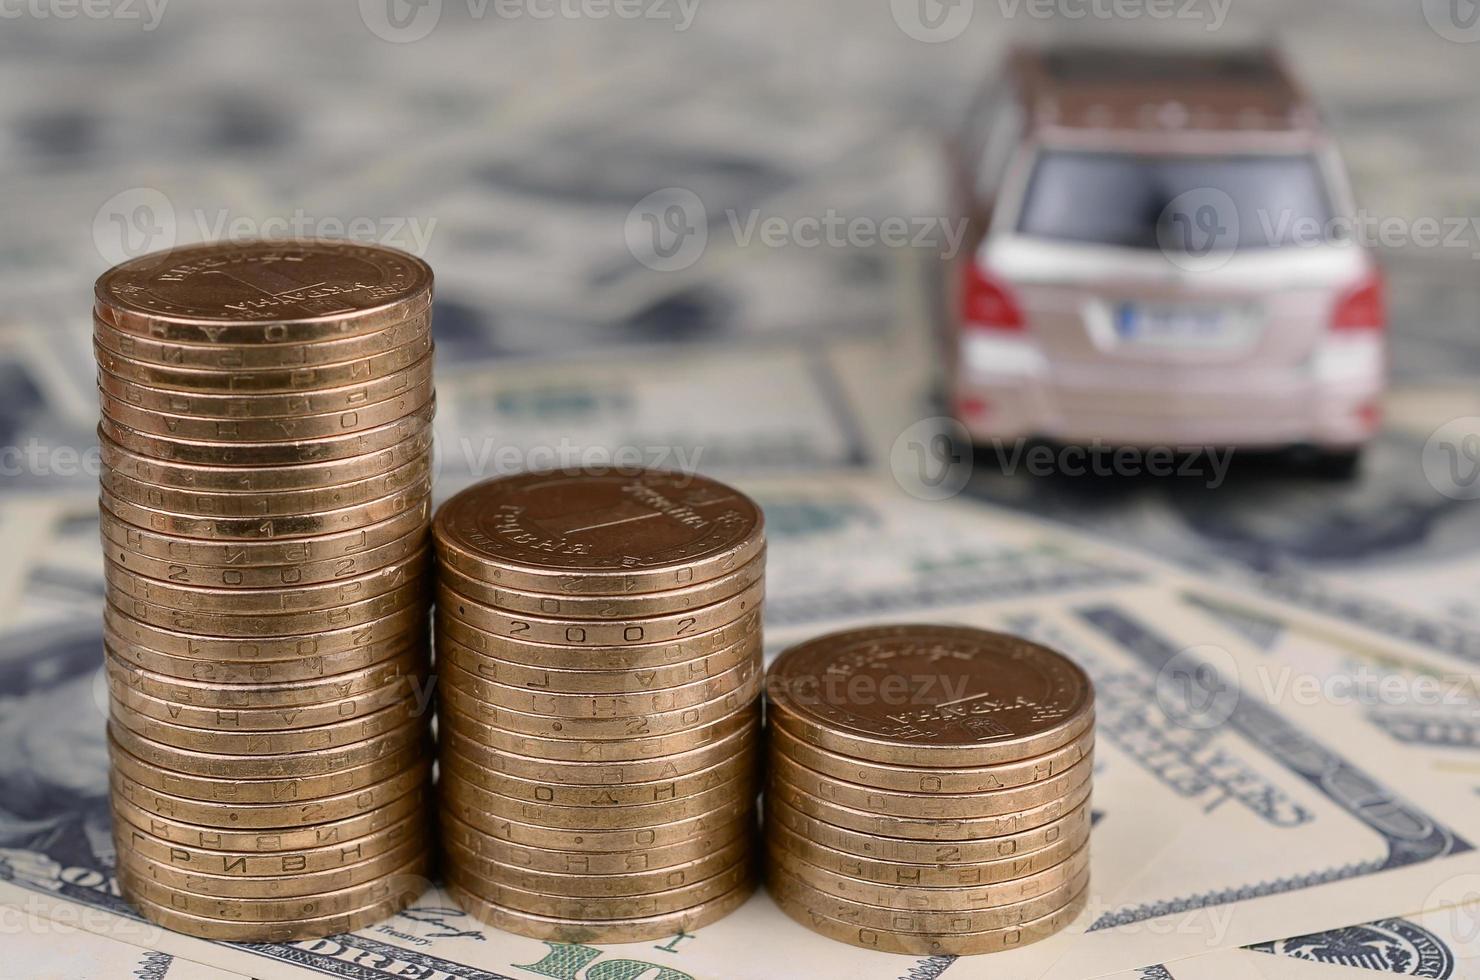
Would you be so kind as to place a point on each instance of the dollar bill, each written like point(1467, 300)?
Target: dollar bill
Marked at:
point(1211, 832)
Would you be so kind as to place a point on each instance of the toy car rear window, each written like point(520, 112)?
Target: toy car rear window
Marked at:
point(1126, 199)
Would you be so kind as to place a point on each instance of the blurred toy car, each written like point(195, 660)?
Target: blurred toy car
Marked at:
point(1159, 254)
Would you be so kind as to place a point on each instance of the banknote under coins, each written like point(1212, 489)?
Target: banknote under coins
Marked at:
point(265, 512)
point(599, 672)
point(928, 788)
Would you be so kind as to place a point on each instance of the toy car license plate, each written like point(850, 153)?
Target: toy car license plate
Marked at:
point(1206, 327)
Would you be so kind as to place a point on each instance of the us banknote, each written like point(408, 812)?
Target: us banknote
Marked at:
point(1213, 830)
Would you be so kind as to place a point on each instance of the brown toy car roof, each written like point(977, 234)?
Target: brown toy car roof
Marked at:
point(1150, 89)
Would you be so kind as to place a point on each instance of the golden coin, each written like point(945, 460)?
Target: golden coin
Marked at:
point(606, 607)
point(595, 681)
point(577, 795)
point(585, 885)
point(253, 743)
point(913, 898)
point(269, 602)
point(275, 453)
point(263, 864)
point(263, 292)
point(607, 931)
point(621, 730)
point(235, 359)
point(787, 886)
point(295, 428)
point(274, 719)
point(232, 930)
point(593, 706)
point(923, 695)
point(963, 829)
point(742, 787)
point(937, 944)
point(227, 625)
point(275, 503)
point(949, 854)
point(940, 875)
point(406, 666)
point(268, 576)
point(341, 832)
point(260, 554)
point(602, 908)
point(656, 629)
point(298, 884)
point(564, 839)
point(595, 863)
point(284, 766)
point(287, 789)
point(216, 478)
point(219, 380)
point(284, 816)
point(652, 747)
point(610, 658)
point(311, 667)
point(745, 739)
point(575, 532)
point(293, 599)
point(903, 779)
point(257, 405)
point(931, 806)
point(270, 909)
point(349, 518)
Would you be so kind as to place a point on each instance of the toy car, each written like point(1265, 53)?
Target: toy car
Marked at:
point(1160, 254)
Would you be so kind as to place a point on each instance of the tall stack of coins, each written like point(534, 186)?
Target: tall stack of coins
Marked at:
point(928, 788)
point(265, 509)
point(599, 671)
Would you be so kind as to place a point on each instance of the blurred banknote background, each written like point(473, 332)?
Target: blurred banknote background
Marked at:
point(1314, 816)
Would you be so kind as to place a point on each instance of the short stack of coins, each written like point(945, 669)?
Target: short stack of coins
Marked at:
point(265, 516)
point(928, 788)
point(599, 668)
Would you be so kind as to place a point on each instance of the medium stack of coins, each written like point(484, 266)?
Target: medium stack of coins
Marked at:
point(599, 670)
point(265, 510)
point(928, 788)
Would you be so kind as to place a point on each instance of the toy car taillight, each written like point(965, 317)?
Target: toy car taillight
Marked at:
point(986, 303)
point(1364, 307)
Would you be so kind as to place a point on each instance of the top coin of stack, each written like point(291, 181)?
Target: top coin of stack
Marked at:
point(599, 670)
point(265, 506)
point(928, 788)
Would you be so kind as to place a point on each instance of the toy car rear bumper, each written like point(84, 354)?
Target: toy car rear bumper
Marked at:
point(1245, 407)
